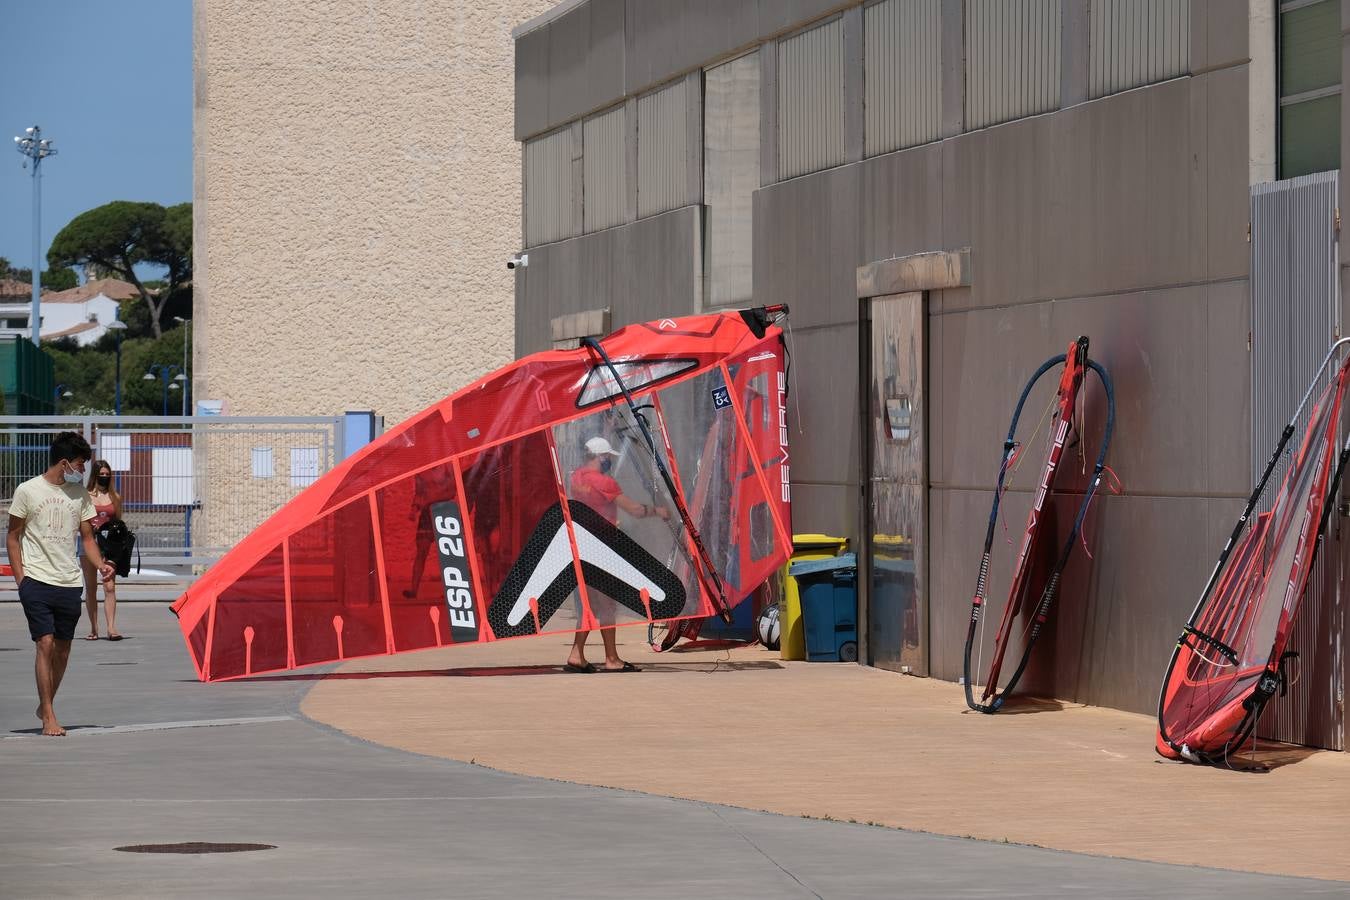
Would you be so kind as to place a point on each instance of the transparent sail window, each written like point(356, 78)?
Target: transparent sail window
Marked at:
point(602, 385)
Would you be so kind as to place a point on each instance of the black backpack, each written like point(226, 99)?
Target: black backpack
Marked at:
point(115, 542)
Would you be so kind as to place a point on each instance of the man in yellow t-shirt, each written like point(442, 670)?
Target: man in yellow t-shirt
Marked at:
point(44, 516)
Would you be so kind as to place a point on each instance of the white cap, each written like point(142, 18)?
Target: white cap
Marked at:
point(598, 446)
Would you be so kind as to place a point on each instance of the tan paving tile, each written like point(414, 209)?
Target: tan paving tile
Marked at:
point(843, 741)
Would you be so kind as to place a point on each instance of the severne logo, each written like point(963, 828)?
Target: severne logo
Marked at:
point(783, 437)
point(667, 325)
point(455, 573)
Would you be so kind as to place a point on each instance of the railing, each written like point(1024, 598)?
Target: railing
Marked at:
point(192, 486)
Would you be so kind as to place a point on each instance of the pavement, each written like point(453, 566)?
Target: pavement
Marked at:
point(154, 757)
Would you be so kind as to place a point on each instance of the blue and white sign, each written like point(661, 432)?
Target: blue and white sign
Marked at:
point(721, 398)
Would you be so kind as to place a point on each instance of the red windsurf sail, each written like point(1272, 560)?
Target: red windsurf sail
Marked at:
point(569, 490)
point(1230, 659)
point(1035, 581)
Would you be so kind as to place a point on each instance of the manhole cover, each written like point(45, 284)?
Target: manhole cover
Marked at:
point(194, 847)
point(116, 664)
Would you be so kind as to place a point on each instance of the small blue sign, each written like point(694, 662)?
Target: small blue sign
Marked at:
point(721, 398)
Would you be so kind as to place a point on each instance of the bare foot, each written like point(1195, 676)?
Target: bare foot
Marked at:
point(50, 726)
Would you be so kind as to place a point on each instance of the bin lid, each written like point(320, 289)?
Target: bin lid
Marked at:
point(818, 542)
point(829, 564)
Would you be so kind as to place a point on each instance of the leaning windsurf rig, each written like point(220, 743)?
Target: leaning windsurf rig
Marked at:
point(1232, 655)
point(497, 513)
point(762, 402)
point(1033, 590)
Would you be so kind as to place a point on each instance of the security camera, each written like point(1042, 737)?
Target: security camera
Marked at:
point(520, 260)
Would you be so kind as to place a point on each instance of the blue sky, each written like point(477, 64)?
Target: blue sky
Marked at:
point(111, 85)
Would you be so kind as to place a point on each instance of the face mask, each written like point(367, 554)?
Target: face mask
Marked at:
point(606, 464)
point(103, 480)
point(72, 476)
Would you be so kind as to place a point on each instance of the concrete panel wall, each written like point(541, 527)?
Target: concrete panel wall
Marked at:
point(643, 271)
point(635, 45)
point(570, 67)
point(1122, 219)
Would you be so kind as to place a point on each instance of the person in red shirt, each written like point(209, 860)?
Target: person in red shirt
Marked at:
point(592, 484)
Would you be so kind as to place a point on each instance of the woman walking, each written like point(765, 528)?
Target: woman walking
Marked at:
point(107, 505)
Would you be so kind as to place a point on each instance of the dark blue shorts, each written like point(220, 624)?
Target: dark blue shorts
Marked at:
point(50, 609)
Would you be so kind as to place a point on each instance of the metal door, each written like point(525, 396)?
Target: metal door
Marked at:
point(896, 503)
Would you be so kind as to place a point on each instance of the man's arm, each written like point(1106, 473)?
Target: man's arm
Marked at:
point(640, 510)
point(14, 544)
point(105, 568)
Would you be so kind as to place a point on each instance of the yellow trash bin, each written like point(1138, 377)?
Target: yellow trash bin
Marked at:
point(804, 546)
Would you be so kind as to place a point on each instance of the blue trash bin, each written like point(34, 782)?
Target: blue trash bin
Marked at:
point(829, 591)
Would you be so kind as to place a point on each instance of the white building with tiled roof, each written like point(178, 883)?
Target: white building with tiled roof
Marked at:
point(82, 312)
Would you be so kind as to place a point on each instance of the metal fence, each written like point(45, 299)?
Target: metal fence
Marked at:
point(1295, 317)
point(191, 487)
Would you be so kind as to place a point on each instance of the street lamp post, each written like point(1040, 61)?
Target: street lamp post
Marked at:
point(35, 148)
point(165, 374)
point(183, 376)
point(118, 326)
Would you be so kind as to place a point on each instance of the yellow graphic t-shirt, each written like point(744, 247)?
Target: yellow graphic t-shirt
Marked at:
point(52, 514)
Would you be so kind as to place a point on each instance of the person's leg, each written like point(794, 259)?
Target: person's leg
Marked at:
point(90, 595)
point(60, 656)
point(110, 608)
point(64, 604)
point(43, 671)
point(612, 660)
point(578, 655)
point(421, 549)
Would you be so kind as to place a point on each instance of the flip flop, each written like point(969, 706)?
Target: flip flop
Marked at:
point(91, 637)
point(580, 670)
point(627, 667)
point(114, 637)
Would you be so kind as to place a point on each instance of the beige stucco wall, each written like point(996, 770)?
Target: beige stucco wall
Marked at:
point(357, 194)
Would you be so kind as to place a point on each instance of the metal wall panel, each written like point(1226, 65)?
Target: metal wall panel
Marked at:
point(1012, 59)
point(811, 100)
point(1137, 42)
point(731, 147)
point(604, 170)
point(548, 188)
point(902, 74)
point(663, 149)
point(1295, 308)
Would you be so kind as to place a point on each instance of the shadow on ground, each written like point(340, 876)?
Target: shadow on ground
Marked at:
point(704, 667)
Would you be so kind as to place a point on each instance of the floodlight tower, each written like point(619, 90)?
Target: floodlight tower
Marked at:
point(35, 148)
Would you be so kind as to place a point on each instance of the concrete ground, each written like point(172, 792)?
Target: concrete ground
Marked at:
point(854, 744)
point(154, 757)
